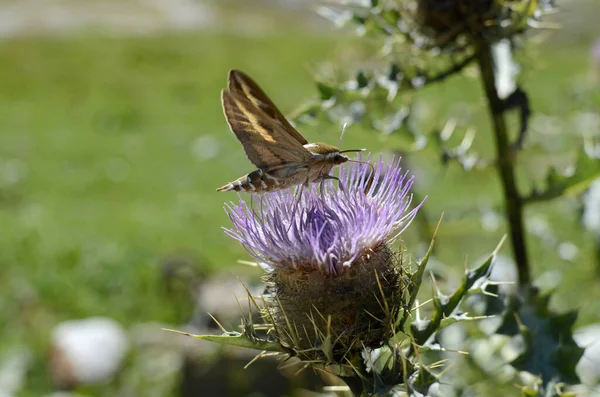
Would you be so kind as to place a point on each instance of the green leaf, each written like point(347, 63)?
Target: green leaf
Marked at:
point(391, 16)
point(362, 80)
point(587, 169)
point(445, 306)
point(420, 382)
point(326, 91)
point(416, 279)
point(395, 72)
point(359, 19)
point(550, 351)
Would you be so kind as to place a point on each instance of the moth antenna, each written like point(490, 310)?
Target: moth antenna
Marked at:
point(342, 136)
point(352, 150)
point(371, 177)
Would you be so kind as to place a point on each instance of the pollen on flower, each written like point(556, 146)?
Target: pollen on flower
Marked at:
point(335, 283)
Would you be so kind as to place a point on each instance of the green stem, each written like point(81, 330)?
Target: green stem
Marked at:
point(505, 163)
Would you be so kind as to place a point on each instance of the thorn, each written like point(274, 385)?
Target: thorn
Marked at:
point(239, 305)
point(259, 355)
point(249, 263)
point(501, 282)
point(446, 370)
point(218, 323)
point(500, 245)
point(423, 304)
point(287, 321)
point(302, 368)
point(480, 317)
point(484, 292)
point(385, 307)
point(336, 388)
point(374, 317)
point(178, 332)
point(518, 320)
point(437, 363)
point(250, 297)
point(288, 364)
point(435, 232)
point(437, 291)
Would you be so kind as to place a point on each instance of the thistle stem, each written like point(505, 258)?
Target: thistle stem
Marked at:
point(505, 164)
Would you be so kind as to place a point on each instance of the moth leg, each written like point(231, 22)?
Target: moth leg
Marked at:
point(325, 177)
point(322, 187)
point(299, 194)
point(296, 204)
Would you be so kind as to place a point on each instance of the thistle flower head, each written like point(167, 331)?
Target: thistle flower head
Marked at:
point(335, 286)
point(337, 290)
point(327, 231)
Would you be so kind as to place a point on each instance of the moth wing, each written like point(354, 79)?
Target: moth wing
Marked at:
point(266, 143)
point(240, 83)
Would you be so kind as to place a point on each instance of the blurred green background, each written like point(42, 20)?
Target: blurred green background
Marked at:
point(113, 141)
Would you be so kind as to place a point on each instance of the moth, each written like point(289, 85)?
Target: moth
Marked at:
point(283, 157)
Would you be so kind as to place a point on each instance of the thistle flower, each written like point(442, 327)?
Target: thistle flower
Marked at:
point(335, 282)
point(338, 293)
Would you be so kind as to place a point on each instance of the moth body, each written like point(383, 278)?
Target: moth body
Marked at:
point(257, 181)
point(284, 158)
point(324, 158)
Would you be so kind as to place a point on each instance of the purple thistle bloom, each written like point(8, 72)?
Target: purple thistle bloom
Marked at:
point(326, 231)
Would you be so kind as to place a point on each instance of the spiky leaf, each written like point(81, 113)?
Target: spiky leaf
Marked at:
point(445, 306)
point(239, 339)
point(587, 169)
point(550, 351)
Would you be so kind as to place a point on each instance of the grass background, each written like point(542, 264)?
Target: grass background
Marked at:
point(111, 148)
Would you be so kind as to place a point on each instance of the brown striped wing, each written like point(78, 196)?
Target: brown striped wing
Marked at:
point(242, 84)
point(266, 142)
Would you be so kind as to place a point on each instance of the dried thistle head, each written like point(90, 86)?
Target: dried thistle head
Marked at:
point(448, 23)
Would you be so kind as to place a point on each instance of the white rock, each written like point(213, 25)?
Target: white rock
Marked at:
point(87, 351)
point(13, 368)
point(588, 367)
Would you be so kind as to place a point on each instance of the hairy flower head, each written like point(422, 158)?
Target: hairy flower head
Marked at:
point(335, 284)
point(327, 231)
